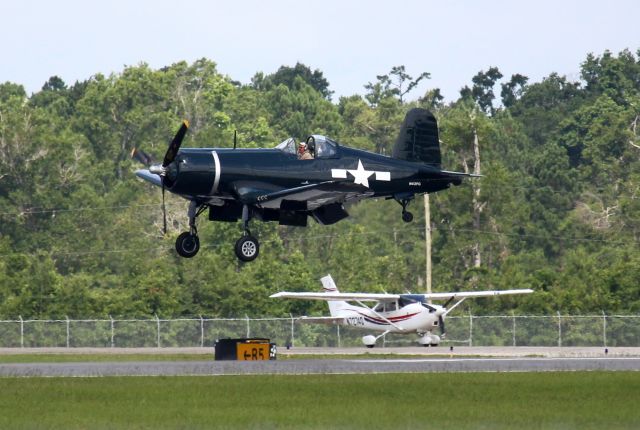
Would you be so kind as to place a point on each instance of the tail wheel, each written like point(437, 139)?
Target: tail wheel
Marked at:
point(187, 244)
point(407, 216)
point(247, 248)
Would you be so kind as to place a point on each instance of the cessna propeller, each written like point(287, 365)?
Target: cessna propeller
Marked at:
point(440, 311)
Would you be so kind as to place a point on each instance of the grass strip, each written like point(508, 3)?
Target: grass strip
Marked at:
point(562, 400)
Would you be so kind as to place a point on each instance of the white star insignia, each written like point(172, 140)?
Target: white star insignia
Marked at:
point(361, 176)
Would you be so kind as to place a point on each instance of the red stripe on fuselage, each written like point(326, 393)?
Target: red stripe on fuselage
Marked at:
point(389, 320)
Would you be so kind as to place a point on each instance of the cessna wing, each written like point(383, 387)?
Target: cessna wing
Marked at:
point(363, 297)
point(472, 294)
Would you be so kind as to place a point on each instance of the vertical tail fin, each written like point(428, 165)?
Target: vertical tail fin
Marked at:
point(328, 286)
point(418, 139)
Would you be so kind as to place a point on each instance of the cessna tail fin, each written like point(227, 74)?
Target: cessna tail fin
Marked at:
point(328, 286)
point(418, 139)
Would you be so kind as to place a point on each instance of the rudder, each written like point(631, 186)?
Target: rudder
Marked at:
point(418, 139)
point(328, 286)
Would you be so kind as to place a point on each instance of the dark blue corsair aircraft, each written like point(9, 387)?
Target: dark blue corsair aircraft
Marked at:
point(277, 185)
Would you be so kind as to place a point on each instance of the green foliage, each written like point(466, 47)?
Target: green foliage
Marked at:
point(557, 209)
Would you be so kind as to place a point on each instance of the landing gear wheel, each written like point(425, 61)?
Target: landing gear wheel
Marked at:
point(187, 244)
point(370, 346)
point(247, 248)
point(407, 216)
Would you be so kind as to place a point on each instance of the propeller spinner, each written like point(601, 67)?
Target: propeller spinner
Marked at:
point(161, 169)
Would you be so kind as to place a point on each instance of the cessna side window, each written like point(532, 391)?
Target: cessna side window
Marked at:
point(288, 146)
point(325, 147)
point(385, 307)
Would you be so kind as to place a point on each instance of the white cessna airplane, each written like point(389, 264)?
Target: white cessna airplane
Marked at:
point(391, 313)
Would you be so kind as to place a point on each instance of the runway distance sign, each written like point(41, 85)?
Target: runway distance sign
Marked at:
point(253, 351)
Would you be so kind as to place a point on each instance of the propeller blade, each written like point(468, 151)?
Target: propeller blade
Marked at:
point(447, 302)
point(174, 146)
point(441, 323)
point(164, 213)
point(141, 156)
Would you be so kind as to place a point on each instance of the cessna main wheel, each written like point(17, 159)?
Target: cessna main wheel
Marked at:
point(187, 244)
point(247, 248)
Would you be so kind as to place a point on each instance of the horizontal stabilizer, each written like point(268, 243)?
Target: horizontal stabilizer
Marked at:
point(321, 320)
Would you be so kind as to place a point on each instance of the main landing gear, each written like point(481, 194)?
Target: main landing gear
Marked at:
point(247, 247)
point(188, 243)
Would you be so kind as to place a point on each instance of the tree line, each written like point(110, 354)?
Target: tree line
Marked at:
point(557, 208)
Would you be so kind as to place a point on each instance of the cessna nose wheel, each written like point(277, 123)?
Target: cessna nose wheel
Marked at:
point(187, 244)
point(247, 248)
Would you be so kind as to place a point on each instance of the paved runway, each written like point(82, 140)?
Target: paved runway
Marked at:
point(312, 366)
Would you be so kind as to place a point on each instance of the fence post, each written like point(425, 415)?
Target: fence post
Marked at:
point(513, 317)
point(470, 329)
point(559, 330)
point(292, 329)
point(67, 317)
point(21, 332)
point(158, 323)
point(604, 328)
point(201, 332)
point(340, 342)
point(112, 332)
point(248, 326)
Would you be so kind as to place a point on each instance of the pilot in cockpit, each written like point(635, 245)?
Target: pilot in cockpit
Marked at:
point(307, 149)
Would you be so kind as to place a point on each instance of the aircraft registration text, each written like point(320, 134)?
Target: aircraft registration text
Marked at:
point(355, 321)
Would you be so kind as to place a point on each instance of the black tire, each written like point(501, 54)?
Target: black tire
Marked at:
point(247, 248)
point(407, 216)
point(369, 346)
point(187, 244)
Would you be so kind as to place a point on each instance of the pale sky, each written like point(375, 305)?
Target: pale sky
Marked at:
point(349, 41)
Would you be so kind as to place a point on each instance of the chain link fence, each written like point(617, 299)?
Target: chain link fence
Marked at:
point(472, 330)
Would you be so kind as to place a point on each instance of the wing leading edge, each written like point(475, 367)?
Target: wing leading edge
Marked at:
point(392, 297)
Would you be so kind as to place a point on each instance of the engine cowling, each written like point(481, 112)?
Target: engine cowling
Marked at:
point(191, 174)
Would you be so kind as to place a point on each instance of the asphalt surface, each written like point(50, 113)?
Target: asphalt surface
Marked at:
point(377, 360)
point(320, 366)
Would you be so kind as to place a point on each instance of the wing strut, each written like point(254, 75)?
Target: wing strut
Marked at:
point(379, 316)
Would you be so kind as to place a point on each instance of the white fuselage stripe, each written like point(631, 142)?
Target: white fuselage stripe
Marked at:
point(216, 181)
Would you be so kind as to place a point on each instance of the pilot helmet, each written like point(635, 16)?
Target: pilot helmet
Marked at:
point(311, 143)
